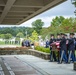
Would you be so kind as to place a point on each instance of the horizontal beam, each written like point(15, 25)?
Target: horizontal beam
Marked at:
point(17, 15)
point(10, 20)
point(23, 11)
point(14, 18)
point(2, 4)
point(29, 3)
point(28, 6)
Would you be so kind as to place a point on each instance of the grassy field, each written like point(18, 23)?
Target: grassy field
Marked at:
point(3, 43)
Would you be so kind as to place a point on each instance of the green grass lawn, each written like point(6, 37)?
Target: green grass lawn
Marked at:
point(3, 43)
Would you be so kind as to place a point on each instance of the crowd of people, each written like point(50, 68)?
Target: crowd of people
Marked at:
point(26, 43)
point(62, 48)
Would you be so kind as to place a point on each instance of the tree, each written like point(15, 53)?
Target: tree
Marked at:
point(7, 36)
point(20, 34)
point(69, 25)
point(57, 21)
point(15, 30)
point(2, 36)
point(37, 25)
point(60, 25)
point(34, 36)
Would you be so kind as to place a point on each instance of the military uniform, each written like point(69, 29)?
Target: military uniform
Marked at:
point(75, 46)
point(52, 53)
point(75, 42)
point(71, 48)
point(63, 48)
point(58, 46)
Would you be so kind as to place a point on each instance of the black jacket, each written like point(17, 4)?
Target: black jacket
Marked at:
point(71, 45)
point(58, 39)
point(51, 41)
point(75, 43)
point(63, 45)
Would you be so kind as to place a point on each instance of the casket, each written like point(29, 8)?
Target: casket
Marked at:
point(55, 46)
point(58, 45)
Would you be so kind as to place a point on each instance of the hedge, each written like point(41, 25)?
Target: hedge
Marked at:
point(42, 49)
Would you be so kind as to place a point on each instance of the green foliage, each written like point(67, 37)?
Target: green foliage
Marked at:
point(57, 21)
point(44, 32)
point(60, 25)
point(17, 39)
point(2, 36)
point(69, 25)
point(15, 30)
point(7, 36)
point(42, 49)
point(37, 25)
point(20, 34)
point(2, 42)
point(34, 36)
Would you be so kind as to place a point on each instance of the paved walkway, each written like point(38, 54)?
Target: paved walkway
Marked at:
point(31, 65)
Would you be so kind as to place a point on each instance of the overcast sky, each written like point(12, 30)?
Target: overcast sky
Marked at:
point(65, 9)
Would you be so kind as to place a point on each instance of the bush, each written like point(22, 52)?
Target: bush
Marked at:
point(42, 49)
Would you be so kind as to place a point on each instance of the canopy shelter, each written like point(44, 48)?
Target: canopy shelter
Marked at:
point(15, 12)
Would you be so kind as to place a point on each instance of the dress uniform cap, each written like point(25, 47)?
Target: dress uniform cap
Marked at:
point(65, 34)
point(58, 34)
point(71, 33)
point(62, 34)
point(52, 34)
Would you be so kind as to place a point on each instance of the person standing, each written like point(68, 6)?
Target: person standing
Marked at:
point(47, 43)
point(52, 53)
point(71, 48)
point(75, 46)
point(58, 39)
point(23, 43)
point(75, 43)
point(63, 48)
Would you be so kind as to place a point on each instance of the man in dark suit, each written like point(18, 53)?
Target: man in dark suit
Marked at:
point(63, 48)
point(52, 53)
point(71, 47)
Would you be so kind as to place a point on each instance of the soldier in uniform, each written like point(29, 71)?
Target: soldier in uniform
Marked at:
point(52, 53)
point(75, 47)
point(63, 48)
point(75, 42)
point(58, 46)
point(66, 44)
point(71, 48)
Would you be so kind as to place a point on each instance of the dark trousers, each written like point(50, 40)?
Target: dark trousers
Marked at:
point(63, 56)
point(52, 56)
point(71, 55)
point(58, 55)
